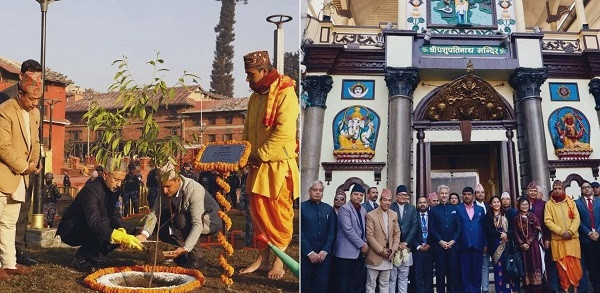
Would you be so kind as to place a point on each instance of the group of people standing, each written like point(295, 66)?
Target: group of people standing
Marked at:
point(394, 246)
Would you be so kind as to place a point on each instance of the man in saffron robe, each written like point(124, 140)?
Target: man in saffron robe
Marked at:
point(272, 181)
point(562, 218)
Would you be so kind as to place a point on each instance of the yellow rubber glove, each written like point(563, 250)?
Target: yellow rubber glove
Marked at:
point(122, 230)
point(129, 241)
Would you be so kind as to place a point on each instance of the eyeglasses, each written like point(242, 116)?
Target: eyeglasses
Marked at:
point(586, 187)
point(339, 198)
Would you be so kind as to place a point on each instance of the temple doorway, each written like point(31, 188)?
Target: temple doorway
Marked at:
point(465, 164)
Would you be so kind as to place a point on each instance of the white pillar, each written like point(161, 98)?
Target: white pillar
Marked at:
point(401, 14)
point(580, 10)
point(520, 16)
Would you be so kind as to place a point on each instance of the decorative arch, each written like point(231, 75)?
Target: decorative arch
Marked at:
point(468, 97)
point(573, 177)
point(351, 181)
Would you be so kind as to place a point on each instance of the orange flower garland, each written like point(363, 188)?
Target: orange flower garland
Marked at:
point(226, 220)
point(226, 245)
point(220, 166)
point(223, 201)
point(90, 280)
point(223, 169)
point(224, 185)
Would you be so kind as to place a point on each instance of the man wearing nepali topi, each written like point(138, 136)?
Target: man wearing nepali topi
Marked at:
point(273, 179)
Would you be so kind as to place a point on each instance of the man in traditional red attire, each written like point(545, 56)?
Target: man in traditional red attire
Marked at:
point(272, 181)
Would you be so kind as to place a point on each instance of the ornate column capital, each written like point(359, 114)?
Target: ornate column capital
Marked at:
point(595, 91)
point(401, 82)
point(317, 87)
point(527, 81)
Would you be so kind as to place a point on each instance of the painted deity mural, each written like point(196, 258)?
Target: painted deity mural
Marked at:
point(355, 131)
point(570, 132)
point(477, 17)
point(477, 13)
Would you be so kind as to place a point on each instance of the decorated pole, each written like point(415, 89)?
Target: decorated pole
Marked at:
point(223, 157)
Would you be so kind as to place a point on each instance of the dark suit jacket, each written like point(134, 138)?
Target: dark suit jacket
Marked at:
point(318, 230)
point(472, 235)
point(419, 235)
point(445, 226)
point(586, 223)
point(94, 211)
point(367, 205)
point(408, 224)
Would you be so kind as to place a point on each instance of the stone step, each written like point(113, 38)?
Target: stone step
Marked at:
point(44, 238)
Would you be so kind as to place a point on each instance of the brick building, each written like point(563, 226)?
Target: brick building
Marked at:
point(55, 94)
point(191, 111)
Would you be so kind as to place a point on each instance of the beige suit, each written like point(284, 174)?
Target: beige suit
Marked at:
point(15, 152)
point(378, 239)
point(18, 147)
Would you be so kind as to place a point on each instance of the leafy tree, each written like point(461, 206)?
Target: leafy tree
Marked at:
point(140, 103)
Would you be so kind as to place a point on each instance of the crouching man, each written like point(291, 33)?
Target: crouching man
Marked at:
point(186, 211)
point(92, 220)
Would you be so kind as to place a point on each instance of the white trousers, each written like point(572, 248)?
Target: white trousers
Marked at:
point(399, 277)
point(9, 213)
point(384, 280)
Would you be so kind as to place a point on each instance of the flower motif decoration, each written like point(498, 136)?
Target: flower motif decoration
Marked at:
point(91, 279)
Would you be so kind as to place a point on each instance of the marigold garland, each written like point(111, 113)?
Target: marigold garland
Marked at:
point(223, 169)
point(223, 201)
point(226, 220)
point(90, 280)
point(223, 184)
point(228, 269)
point(220, 166)
point(225, 244)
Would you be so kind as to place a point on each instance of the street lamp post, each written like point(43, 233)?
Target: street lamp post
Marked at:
point(37, 221)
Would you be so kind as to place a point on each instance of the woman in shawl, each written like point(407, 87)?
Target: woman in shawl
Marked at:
point(496, 230)
point(528, 235)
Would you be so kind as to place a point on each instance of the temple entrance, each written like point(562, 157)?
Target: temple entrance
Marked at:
point(448, 152)
point(465, 164)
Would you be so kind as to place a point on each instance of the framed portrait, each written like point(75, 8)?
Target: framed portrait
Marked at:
point(564, 92)
point(461, 14)
point(353, 89)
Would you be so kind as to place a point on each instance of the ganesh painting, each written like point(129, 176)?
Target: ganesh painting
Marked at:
point(570, 132)
point(355, 131)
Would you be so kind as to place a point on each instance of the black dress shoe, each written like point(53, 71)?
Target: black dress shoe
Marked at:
point(25, 260)
point(82, 263)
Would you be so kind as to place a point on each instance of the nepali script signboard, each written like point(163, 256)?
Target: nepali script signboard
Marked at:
point(223, 156)
point(453, 50)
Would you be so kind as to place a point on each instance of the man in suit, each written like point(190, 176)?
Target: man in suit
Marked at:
point(485, 266)
point(19, 156)
point(444, 234)
point(596, 188)
point(423, 255)
point(351, 244)
point(383, 237)
point(471, 244)
point(371, 202)
point(188, 211)
point(92, 220)
point(408, 221)
point(589, 213)
point(317, 236)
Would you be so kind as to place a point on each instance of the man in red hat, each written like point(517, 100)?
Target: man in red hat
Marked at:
point(272, 181)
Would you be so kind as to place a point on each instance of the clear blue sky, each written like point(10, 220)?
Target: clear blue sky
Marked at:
point(85, 36)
